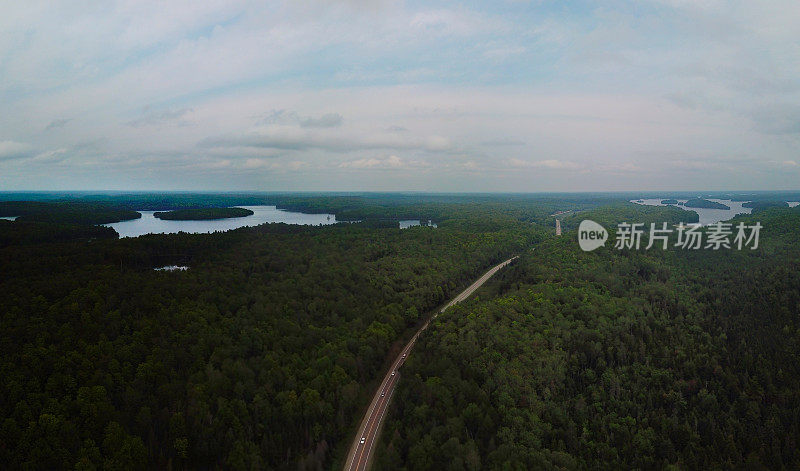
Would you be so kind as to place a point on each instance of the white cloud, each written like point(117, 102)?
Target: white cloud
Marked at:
point(111, 93)
point(55, 155)
point(391, 162)
point(301, 138)
point(446, 21)
point(503, 52)
point(329, 120)
point(57, 123)
point(551, 164)
point(557, 164)
point(292, 118)
point(10, 150)
point(163, 117)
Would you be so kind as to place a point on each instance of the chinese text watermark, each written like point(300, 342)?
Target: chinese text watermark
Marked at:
point(720, 235)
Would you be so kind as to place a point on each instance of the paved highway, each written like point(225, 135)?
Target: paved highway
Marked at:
point(361, 450)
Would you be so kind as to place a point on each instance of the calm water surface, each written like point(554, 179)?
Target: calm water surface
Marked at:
point(148, 224)
point(406, 223)
point(172, 268)
point(707, 216)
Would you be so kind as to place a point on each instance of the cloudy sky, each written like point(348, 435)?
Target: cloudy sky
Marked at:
point(391, 95)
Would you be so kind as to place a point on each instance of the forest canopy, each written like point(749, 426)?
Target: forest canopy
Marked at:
point(259, 356)
point(202, 214)
point(264, 354)
point(67, 212)
point(615, 359)
point(704, 203)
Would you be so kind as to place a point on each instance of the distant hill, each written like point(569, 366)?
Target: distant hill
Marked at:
point(63, 212)
point(758, 205)
point(703, 203)
point(32, 233)
point(203, 214)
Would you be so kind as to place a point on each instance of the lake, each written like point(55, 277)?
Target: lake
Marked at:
point(9, 218)
point(406, 223)
point(707, 216)
point(172, 268)
point(149, 224)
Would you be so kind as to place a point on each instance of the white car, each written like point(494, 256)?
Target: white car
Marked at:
point(383, 393)
point(393, 373)
point(404, 355)
point(362, 440)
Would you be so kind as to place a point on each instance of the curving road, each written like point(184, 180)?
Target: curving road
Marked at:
point(361, 450)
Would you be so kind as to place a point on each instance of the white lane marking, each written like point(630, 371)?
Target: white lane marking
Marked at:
point(371, 430)
point(380, 419)
point(377, 399)
point(363, 428)
point(365, 434)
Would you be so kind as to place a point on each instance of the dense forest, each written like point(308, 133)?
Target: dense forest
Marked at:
point(704, 203)
point(263, 354)
point(202, 214)
point(260, 355)
point(19, 233)
point(612, 214)
point(763, 204)
point(614, 359)
point(67, 212)
point(377, 208)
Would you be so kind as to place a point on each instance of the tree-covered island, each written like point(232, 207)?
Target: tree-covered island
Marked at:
point(706, 204)
point(202, 214)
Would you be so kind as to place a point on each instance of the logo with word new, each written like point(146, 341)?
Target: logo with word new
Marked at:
point(719, 235)
point(591, 235)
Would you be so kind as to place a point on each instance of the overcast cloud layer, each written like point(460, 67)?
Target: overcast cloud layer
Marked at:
point(392, 95)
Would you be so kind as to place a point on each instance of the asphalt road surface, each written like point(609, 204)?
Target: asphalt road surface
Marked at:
point(361, 450)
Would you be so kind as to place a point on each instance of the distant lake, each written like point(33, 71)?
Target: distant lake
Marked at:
point(9, 218)
point(406, 223)
point(172, 268)
point(707, 216)
point(148, 224)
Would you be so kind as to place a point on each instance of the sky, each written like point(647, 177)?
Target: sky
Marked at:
point(360, 95)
